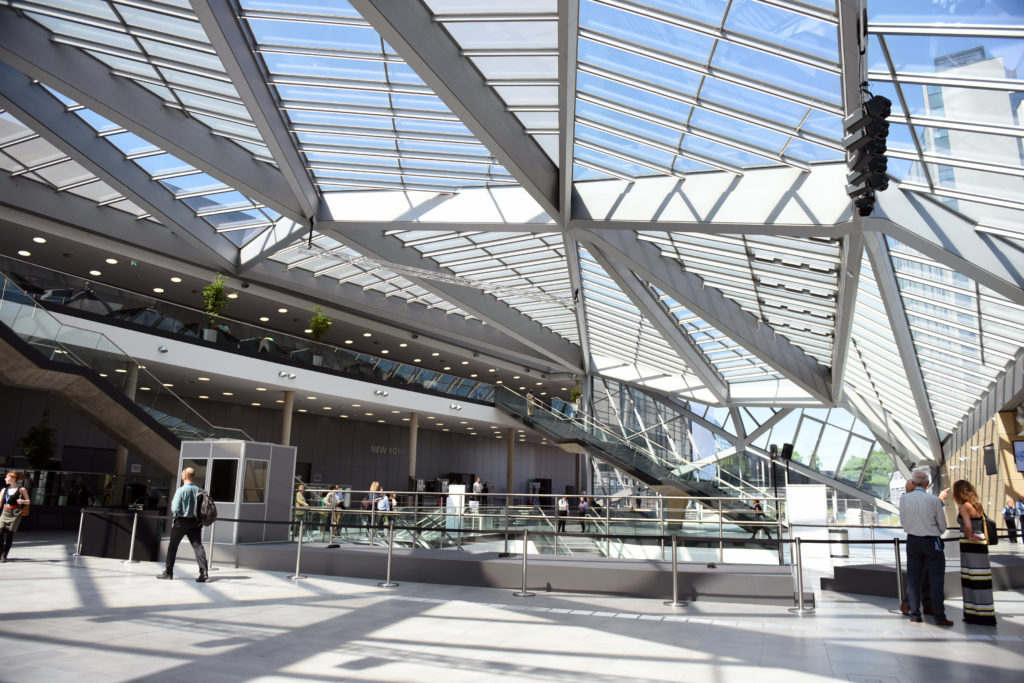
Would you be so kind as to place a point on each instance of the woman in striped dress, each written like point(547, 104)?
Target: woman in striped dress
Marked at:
point(975, 570)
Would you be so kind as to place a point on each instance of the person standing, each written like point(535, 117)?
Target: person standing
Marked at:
point(185, 523)
point(975, 569)
point(1020, 516)
point(1010, 518)
point(300, 507)
point(530, 402)
point(582, 507)
point(563, 512)
point(478, 488)
point(16, 501)
point(924, 521)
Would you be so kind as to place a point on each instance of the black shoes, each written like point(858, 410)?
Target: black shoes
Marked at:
point(915, 620)
point(944, 622)
point(166, 575)
point(203, 576)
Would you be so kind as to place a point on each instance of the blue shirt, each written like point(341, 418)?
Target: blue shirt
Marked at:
point(184, 502)
point(1020, 508)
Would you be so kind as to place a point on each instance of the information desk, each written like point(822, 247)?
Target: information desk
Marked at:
point(107, 532)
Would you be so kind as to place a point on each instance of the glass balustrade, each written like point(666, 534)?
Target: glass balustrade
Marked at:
point(72, 346)
point(74, 295)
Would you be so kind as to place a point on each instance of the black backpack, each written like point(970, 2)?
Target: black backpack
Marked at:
point(206, 509)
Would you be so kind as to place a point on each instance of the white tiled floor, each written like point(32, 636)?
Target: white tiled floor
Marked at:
point(92, 619)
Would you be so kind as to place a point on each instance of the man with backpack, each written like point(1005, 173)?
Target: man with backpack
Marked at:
point(186, 522)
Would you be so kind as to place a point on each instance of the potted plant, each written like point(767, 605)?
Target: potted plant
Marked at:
point(215, 302)
point(39, 444)
point(319, 324)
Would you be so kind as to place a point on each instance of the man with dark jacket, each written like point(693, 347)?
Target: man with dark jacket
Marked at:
point(186, 523)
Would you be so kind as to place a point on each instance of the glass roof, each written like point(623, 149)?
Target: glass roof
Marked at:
point(674, 113)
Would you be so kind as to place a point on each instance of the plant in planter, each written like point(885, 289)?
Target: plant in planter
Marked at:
point(215, 302)
point(319, 324)
point(40, 444)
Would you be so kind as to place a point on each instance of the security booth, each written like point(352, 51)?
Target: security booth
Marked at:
point(247, 480)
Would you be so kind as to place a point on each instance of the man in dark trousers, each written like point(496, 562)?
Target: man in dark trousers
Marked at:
point(924, 520)
point(185, 523)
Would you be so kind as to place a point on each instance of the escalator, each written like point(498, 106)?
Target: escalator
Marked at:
point(661, 471)
point(39, 352)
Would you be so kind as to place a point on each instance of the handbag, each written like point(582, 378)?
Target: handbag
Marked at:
point(991, 532)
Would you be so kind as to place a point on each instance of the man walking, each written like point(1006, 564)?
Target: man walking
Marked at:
point(185, 523)
point(924, 521)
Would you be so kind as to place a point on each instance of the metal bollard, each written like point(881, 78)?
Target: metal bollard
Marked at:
point(78, 543)
point(874, 559)
point(675, 602)
point(506, 526)
point(721, 539)
point(298, 553)
point(209, 553)
point(131, 549)
point(900, 588)
point(523, 593)
point(799, 609)
point(388, 583)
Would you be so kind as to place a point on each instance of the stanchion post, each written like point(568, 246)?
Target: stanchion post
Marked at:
point(78, 543)
point(462, 506)
point(799, 609)
point(209, 553)
point(778, 533)
point(874, 558)
point(131, 549)
point(900, 588)
point(523, 593)
point(298, 552)
point(506, 525)
point(721, 539)
point(675, 602)
point(388, 583)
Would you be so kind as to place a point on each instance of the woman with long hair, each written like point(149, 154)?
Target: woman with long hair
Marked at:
point(15, 503)
point(975, 570)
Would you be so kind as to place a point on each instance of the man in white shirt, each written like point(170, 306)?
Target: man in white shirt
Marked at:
point(924, 520)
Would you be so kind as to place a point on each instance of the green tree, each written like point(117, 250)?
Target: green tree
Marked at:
point(40, 444)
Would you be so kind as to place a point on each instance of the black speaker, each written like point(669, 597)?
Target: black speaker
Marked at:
point(787, 451)
point(990, 460)
point(773, 450)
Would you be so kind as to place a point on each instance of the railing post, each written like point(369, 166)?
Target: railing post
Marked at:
point(721, 540)
point(78, 543)
point(523, 593)
point(462, 506)
point(900, 588)
point(675, 602)
point(388, 583)
point(874, 559)
point(298, 552)
point(778, 533)
point(800, 609)
point(131, 549)
point(506, 525)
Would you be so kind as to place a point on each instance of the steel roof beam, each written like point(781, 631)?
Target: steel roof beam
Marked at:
point(718, 310)
point(849, 278)
point(713, 228)
point(484, 306)
point(949, 238)
point(27, 46)
point(73, 136)
point(662, 321)
point(1006, 393)
point(885, 278)
point(226, 33)
point(431, 52)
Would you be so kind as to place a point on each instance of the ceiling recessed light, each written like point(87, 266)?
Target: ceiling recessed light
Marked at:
point(261, 388)
point(347, 341)
point(39, 240)
point(430, 417)
point(112, 261)
point(465, 362)
point(515, 376)
point(522, 388)
point(396, 412)
point(435, 354)
point(203, 396)
point(168, 384)
point(447, 367)
point(120, 370)
point(543, 393)
point(539, 383)
point(103, 374)
point(445, 429)
point(368, 414)
point(403, 345)
point(357, 405)
point(405, 419)
point(417, 360)
point(491, 370)
point(158, 290)
point(307, 331)
point(227, 393)
point(204, 379)
point(311, 398)
point(463, 422)
point(143, 388)
point(255, 404)
point(280, 400)
point(384, 351)
point(343, 416)
point(367, 334)
point(94, 273)
point(264, 319)
point(498, 382)
point(302, 410)
point(233, 295)
point(282, 310)
point(327, 408)
point(175, 279)
point(473, 375)
point(24, 253)
point(382, 421)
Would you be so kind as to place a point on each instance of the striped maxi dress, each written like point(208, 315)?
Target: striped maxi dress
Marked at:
point(976, 578)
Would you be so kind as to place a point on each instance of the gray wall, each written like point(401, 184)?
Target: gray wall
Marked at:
point(341, 451)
